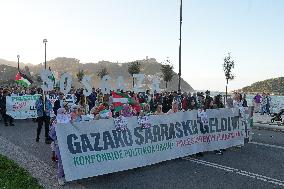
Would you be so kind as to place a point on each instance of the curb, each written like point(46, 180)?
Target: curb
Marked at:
point(268, 127)
point(44, 173)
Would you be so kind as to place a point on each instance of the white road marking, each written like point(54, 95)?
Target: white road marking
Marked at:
point(237, 171)
point(267, 145)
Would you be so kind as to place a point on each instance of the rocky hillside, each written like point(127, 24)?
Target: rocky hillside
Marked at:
point(61, 65)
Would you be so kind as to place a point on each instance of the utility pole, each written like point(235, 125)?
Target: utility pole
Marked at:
point(18, 56)
point(45, 41)
point(179, 65)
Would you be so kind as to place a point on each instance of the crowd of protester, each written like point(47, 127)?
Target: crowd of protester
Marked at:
point(143, 102)
point(140, 104)
point(262, 103)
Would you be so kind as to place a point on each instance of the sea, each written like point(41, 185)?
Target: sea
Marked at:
point(277, 102)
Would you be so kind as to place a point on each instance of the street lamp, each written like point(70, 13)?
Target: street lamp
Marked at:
point(179, 62)
point(45, 41)
point(18, 56)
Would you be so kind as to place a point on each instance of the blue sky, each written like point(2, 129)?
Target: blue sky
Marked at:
point(126, 30)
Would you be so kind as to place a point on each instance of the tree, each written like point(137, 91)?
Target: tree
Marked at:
point(228, 66)
point(134, 68)
point(27, 71)
point(80, 75)
point(167, 72)
point(101, 73)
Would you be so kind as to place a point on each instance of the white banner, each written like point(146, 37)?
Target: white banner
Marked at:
point(96, 147)
point(69, 98)
point(21, 107)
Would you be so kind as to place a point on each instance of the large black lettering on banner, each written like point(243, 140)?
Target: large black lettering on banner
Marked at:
point(96, 147)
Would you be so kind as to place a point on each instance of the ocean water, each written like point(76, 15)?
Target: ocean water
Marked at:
point(277, 102)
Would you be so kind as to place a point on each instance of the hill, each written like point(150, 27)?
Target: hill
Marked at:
point(61, 65)
point(8, 74)
point(273, 86)
point(8, 63)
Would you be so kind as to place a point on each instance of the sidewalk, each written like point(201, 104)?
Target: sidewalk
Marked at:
point(18, 144)
point(264, 122)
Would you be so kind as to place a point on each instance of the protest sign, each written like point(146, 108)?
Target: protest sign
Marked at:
point(69, 98)
point(96, 147)
point(21, 107)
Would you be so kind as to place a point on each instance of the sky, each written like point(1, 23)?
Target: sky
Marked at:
point(128, 30)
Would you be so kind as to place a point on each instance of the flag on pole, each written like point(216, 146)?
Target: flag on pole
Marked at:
point(23, 80)
point(118, 99)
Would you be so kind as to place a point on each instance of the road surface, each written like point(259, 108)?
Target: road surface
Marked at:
point(259, 164)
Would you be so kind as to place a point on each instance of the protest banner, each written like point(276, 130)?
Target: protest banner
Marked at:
point(95, 148)
point(69, 98)
point(21, 107)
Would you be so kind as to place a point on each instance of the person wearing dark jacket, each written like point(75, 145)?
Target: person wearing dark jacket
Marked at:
point(3, 109)
point(92, 99)
point(44, 108)
point(59, 103)
point(218, 101)
point(245, 103)
point(192, 104)
point(166, 102)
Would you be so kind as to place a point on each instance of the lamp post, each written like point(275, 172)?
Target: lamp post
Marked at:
point(45, 41)
point(179, 65)
point(18, 56)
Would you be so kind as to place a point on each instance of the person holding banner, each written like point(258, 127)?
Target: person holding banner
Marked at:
point(61, 117)
point(44, 108)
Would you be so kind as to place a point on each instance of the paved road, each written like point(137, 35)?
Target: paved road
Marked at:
point(259, 164)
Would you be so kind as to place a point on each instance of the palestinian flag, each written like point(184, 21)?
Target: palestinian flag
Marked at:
point(118, 99)
point(23, 80)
